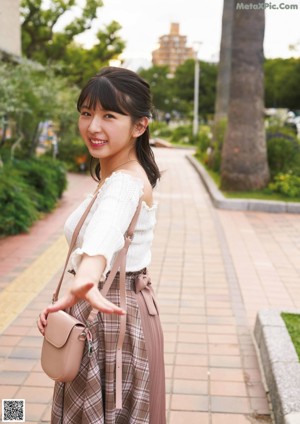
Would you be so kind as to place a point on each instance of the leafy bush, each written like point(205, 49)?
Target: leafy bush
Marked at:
point(282, 146)
point(204, 138)
point(74, 154)
point(17, 209)
point(59, 173)
point(203, 144)
point(283, 155)
point(160, 129)
point(47, 180)
point(286, 184)
point(26, 189)
point(183, 134)
point(214, 158)
point(283, 151)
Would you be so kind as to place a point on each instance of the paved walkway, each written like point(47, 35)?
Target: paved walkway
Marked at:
point(212, 271)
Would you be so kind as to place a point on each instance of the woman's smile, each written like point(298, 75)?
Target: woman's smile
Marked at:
point(97, 142)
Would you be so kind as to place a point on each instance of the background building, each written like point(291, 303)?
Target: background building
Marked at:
point(10, 28)
point(172, 49)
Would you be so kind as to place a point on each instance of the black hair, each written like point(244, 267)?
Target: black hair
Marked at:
point(122, 91)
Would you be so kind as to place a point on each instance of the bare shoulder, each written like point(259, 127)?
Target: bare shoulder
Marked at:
point(139, 173)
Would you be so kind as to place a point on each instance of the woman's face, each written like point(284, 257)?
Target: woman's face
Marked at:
point(106, 133)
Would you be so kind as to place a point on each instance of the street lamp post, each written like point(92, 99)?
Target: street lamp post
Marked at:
point(196, 91)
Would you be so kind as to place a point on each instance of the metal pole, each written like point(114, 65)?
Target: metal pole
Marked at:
point(196, 91)
point(196, 98)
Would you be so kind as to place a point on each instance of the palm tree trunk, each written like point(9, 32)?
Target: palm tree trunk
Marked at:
point(223, 81)
point(244, 155)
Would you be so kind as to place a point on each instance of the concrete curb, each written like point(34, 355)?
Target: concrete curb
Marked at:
point(221, 202)
point(280, 364)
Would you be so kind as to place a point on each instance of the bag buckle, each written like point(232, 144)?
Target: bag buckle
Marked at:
point(87, 335)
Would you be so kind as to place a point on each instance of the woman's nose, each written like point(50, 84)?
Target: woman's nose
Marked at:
point(95, 124)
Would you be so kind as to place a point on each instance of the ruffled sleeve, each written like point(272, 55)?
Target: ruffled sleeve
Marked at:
point(110, 217)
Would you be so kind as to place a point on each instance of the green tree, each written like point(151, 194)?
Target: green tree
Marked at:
point(177, 93)
point(81, 64)
point(31, 95)
point(282, 82)
point(183, 85)
point(41, 43)
point(160, 84)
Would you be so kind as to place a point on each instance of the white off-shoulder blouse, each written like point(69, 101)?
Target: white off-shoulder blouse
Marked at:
point(103, 231)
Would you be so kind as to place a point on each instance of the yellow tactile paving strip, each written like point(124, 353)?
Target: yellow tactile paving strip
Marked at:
point(23, 289)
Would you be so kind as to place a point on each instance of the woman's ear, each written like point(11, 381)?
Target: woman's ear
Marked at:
point(140, 127)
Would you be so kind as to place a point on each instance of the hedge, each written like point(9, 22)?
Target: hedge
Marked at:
point(28, 188)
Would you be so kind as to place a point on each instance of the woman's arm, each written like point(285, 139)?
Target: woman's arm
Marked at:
point(103, 237)
point(84, 286)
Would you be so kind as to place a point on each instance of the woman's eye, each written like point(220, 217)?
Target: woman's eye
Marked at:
point(85, 113)
point(109, 116)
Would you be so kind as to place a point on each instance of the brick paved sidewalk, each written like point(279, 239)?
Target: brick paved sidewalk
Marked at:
point(212, 271)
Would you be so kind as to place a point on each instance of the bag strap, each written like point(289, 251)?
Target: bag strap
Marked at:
point(72, 244)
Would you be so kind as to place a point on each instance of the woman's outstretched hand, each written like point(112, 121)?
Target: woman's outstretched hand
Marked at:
point(88, 292)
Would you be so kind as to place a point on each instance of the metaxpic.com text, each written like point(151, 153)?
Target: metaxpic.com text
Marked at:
point(267, 6)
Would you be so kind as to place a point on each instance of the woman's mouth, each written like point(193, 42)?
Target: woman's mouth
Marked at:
point(96, 142)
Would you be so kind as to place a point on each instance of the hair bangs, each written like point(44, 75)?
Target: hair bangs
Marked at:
point(100, 92)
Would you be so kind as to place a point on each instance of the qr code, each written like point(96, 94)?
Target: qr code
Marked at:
point(13, 410)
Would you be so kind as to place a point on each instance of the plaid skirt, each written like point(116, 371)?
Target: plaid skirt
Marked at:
point(90, 397)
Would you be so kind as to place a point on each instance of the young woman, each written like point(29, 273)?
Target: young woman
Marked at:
point(115, 108)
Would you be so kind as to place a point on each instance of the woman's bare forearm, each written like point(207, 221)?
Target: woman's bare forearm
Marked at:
point(90, 270)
